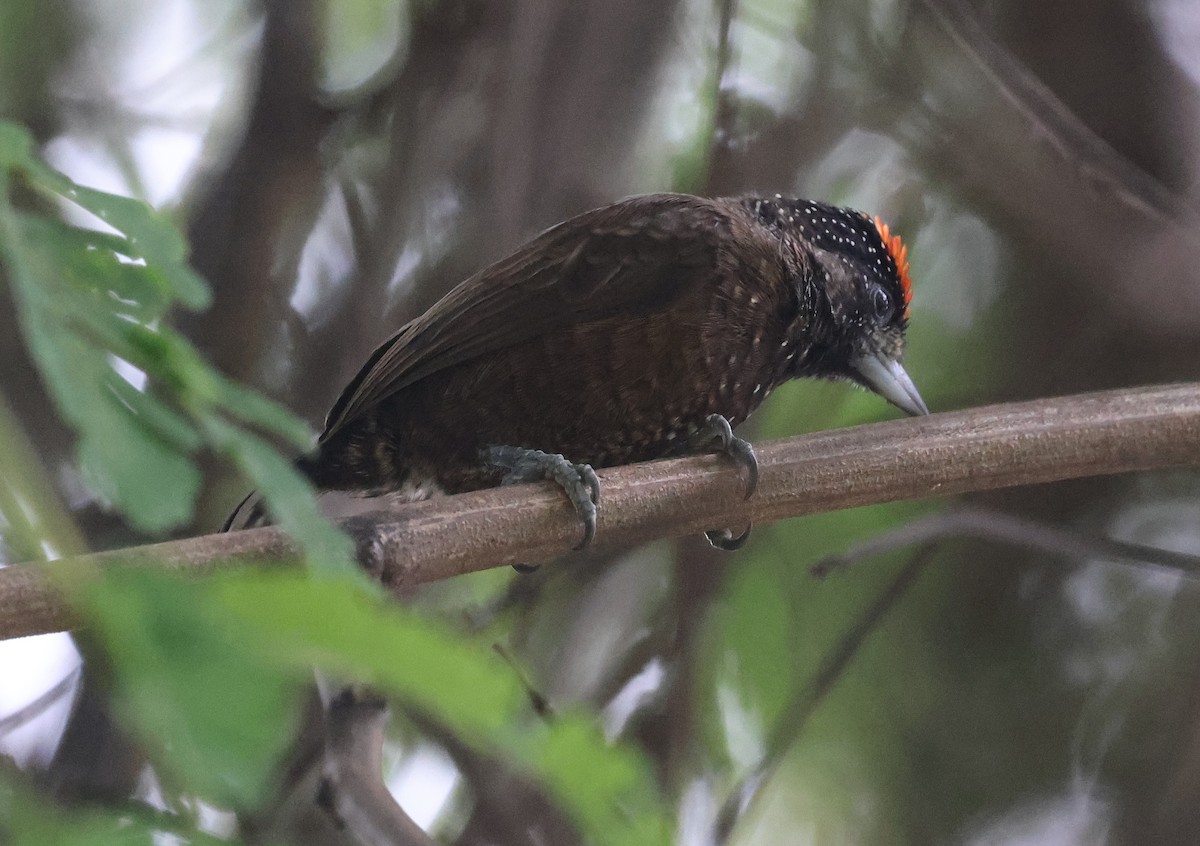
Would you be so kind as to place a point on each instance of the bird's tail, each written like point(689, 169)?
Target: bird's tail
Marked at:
point(250, 513)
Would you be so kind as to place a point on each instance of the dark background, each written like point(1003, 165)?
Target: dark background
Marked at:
point(339, 165)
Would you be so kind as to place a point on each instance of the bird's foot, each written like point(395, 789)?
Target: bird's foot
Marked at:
point(716, 432)
point(724, 539)
point(578, 481)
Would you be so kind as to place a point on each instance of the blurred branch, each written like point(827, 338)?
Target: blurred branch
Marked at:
point(29, 712)
point(999, 527)
point(721, 139)
point(352, 787)
point(701, 574)
point(1075, 147)
point(507, 805)
point(268, 194)
point(984, 117)
point(504, 119)
point(925, 533)
point(803, 705)
point(979, 449)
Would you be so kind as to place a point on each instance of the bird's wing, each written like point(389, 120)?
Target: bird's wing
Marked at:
point(628, 259)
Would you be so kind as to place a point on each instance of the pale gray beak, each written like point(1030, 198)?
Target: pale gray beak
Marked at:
point(887, 378)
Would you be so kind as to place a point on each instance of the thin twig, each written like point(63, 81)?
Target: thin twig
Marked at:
point(352, 788)
point(996, 526)
point(23, 716)
point(794, 719)
point(943, 454)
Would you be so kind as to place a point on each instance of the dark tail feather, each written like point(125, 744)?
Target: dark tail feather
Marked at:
point(250, 512)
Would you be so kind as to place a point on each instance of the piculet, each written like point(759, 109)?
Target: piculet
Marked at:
point(640, 330)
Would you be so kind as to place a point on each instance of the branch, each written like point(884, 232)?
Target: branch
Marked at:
point(791, 723)
point(1000, 528)
point(979, 449)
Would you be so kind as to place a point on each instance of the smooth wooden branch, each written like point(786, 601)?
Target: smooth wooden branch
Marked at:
point(979, 449)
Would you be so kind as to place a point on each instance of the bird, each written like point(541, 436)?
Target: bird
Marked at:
point(644, 329)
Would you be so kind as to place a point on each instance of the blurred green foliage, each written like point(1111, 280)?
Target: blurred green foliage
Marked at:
point(1005, 698)
point(93, 306)
point(210, 674)
point(28, 820)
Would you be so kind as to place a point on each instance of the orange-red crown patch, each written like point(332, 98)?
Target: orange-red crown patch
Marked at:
point(898, 250)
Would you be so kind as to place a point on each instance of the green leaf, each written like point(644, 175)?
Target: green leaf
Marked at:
point(104, 264)
point(191, 684)
point(610, 789)
point(207, 672)
point(155, 484)
point(159, 418)
point(16, 145)
point(124, 456)
point(328, 551)
point(90, 301)
point(26, 820)
point(341, 629)
point(459, 682)
point(259, 411)
point(150, 235)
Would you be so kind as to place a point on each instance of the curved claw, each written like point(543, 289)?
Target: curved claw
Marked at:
point(717, 431)
point(578, 481)
point(589, 478)
point(723, 539)
point(716, 427)
point(587, 513)
point(741, 451)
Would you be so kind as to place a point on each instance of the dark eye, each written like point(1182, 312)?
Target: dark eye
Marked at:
point(881, 304)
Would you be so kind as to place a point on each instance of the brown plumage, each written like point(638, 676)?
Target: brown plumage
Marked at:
point(610, 338)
